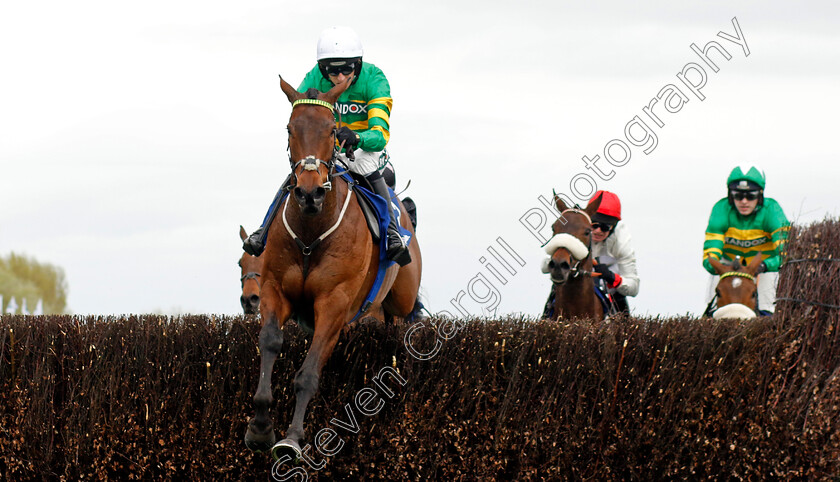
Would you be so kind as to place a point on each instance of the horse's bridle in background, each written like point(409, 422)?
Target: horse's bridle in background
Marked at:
point(575, 270)
point(712, 306)
point(250, 275)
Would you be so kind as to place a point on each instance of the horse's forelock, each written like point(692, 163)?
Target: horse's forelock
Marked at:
point(312, 93)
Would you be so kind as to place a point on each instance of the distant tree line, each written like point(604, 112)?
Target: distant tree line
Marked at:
point(26, 280)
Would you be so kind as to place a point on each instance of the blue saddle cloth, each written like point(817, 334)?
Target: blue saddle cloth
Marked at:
point(605, 299)
point(384, 219)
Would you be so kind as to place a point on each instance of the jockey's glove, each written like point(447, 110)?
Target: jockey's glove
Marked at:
point(348, 137)
point(606, 275)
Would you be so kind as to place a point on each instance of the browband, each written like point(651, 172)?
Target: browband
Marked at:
point(322, 103)
point(738, 274)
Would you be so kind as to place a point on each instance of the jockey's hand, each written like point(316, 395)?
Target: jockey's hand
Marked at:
point(348, 138)
point(606, 275)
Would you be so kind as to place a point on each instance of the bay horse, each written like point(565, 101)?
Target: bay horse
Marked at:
point(736, 294)
point(250, 278)
point(570, 263)
point(320, 262)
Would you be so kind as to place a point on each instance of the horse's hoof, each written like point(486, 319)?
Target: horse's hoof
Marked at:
point(286, 448)
point(259, 442)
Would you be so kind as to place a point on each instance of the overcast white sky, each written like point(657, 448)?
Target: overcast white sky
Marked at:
point(135, 138)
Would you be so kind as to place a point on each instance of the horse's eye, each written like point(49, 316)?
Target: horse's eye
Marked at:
point(717, 292)
point(588, 232)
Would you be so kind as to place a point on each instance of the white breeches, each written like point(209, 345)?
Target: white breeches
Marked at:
point(366, 162)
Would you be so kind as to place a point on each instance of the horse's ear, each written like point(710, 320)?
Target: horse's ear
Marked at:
point(593, 205)
point(717, 265)
point(558, 201)
point(755, 263)
point(290, 91)
point(333, 94)
point(242, 233)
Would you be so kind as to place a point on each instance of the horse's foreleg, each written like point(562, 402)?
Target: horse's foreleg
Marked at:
point(330, 317)
point(260, 434)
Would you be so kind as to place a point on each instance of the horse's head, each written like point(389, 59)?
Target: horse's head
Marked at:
point(737, 283)
point(251, 267)
point(312, 144)
point(571, 243)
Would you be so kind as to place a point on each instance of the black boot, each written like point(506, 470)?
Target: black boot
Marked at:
point(396, 249)
point(255, 243)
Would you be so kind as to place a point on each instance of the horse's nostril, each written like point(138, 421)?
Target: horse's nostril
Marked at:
point(551, 264)
point(299, 193)
point(255, 300)
point(320, 192)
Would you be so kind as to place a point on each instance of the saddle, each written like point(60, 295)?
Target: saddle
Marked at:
point(369, 209)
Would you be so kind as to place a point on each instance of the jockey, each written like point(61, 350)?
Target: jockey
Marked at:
point(744, 224)
point(364, 110)
point(613, 251)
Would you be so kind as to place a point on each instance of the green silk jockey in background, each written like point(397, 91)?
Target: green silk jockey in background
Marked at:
point(364, 111)
point(745, 223)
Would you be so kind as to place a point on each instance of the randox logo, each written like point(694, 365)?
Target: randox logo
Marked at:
point(349, 108)
point(746, 243)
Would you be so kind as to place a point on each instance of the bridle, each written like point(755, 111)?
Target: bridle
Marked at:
point(576, 270)
point(250, 275)
point(312, 163)
point(712, 306)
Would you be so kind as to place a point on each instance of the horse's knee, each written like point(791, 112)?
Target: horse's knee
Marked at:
point(306, 382)
point(271, 337)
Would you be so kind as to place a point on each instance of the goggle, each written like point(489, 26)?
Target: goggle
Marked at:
point(602, 226)
point(741, 195)
point(345, 69)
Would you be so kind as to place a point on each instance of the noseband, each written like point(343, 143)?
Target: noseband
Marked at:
point(250, 275)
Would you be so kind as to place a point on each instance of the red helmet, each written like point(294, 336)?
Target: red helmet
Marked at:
point(610, 205)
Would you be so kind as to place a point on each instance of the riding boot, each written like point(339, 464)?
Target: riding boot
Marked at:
point(255, 243)
point(396, 249)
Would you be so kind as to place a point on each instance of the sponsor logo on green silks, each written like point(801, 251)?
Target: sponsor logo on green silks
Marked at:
point(351, 108)
point(747, 243)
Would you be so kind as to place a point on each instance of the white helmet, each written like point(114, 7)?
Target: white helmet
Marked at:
point(339, 43)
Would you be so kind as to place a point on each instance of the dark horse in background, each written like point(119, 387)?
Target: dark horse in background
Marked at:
point(250, 267)
point(320, 263)
point(570, 264)
point(736, 294)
